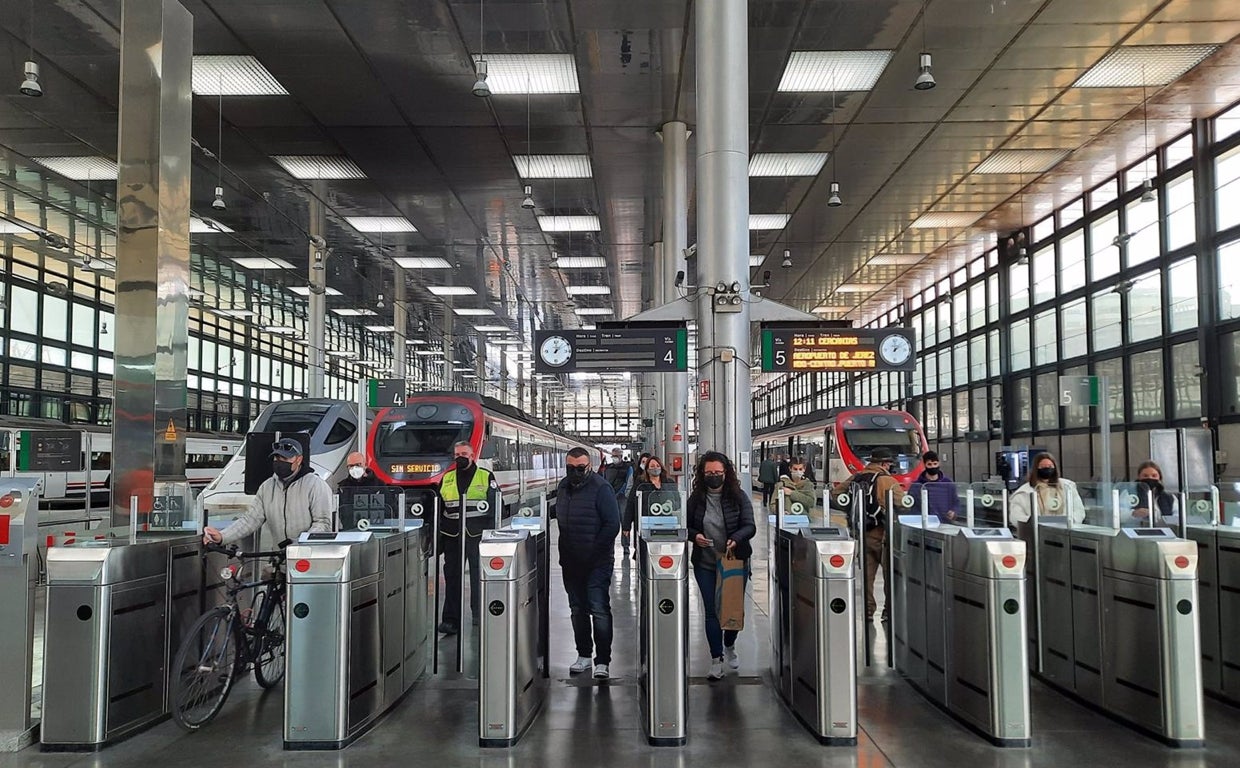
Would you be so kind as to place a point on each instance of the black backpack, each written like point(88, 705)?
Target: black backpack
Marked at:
point(866, 485)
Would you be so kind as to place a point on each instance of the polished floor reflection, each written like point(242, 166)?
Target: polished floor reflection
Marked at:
point(738, 721)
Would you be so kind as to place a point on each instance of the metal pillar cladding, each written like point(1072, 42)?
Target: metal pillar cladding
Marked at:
point(400, 319)
point(670, 259)
point(152, 265)
point(663, 666)
point(722, 32)
point(19, 570)
point(316, 322)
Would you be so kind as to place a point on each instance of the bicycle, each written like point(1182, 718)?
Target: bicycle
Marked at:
point(226, 640)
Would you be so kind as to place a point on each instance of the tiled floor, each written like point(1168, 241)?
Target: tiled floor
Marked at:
point(735, 722)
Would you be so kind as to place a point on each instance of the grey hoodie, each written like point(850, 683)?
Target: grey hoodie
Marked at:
point(287, 510)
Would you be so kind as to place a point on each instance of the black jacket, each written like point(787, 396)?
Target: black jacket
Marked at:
point(737, 520)
point(589, 521)
point(368, 480)
point(651, 495)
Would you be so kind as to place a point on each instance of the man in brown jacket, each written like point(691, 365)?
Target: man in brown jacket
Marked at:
point(881, 495)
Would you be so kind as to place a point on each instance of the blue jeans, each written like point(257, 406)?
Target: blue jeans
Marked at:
point(708, 582)
point(589, 602)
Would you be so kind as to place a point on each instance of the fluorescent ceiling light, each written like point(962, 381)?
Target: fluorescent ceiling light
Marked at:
point(822, 71)
point(281, 330)
point(895, 259)
point(319, 166)
point(568, 223)
point(494, 328)
point(451, 290)
point(586, 311)
point(80, 168)
point(859, 287)
point(200, 226)
point(233, 76)
point(304, 290)
point(533, 73)
point(504, 342)
point(381, 328)
point(758, 221)
point(473, 311)
point(417, 342)
point(832, 308)
point(587, 290)
point(756, 259)
point(786, 163)
point(553, 166)
point(352, 312)
point(427, 352)
point(947, 220)
point(1132, 66)
point(260, 262)
point(461, 369)
point(339, 353)
point(581, 262)
point(1021, 161)
point(422, 262)
point(232, 312)
point(380, 224)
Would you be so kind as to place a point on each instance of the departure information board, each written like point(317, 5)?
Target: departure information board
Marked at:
point(50, 450)
point(806, 348)
point(636, 347)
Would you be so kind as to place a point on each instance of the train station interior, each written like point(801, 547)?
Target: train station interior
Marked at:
point(987, 248)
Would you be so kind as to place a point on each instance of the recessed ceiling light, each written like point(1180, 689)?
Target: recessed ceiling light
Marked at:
point(473, 311)
point(422, 262)
point(1132, 66)
point(859, 287)
point(587, 311)
point(198, 226)
point(233, 76)
point(553, 166)
point(947, 220)
point(532, 73)
point(581, 262)
point(895, 259)
point(319, 167)
point(587, 290)
point(380, 224)
point(786, 163)
point(492, 328)
point(80, 168)
point(260, 262)
point(756, 259)
point(352, 312)
point(568, 224)
point(451, 290)
point(759, 221)
point(1021, 161)
point(304, 290)
point(822, 71)
point(281, 330)
point(381, 328)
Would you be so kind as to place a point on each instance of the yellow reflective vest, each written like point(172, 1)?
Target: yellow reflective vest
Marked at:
point(479, 490)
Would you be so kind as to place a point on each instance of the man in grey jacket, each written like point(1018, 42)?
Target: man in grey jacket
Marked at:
point(289, 503)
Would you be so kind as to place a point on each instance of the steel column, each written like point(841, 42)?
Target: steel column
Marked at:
point(317, 303)
point(400, 319)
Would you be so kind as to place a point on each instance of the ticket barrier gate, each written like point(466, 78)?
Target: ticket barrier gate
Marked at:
point(513, 669)
point(959, 631)
point(19, 521)
point(663, 665)
point(359, 631)
point(813, 642)
point(1118, 615)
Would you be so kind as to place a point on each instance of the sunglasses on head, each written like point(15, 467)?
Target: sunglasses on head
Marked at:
point(286, 445)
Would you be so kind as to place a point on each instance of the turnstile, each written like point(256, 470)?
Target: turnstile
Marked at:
point(1218, 572)
point(1119, 625)
point(814, 639)
point(513, 668)
point(358, 634)
point(663, 664)
point(19, 520)
point(959, 629)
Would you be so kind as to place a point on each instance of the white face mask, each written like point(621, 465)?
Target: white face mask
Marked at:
point(654, 471)
point(357, 472)
point(797, 474)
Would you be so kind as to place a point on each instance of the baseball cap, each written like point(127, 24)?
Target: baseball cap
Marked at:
point(285, 449)
point(880, 454)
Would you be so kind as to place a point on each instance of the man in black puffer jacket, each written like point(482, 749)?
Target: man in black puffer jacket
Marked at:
point(589, 521)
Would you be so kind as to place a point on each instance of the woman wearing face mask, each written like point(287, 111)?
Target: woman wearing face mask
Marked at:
point(720, 518)
point(653, 488)
point(1150, 486)
point(795, 488)
point(1054, 496)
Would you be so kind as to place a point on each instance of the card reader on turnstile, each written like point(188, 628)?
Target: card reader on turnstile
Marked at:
point(663, 669)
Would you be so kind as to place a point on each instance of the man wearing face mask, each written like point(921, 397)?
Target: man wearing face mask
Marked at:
point(589, 521)
point(478, 506)
point(360, 475)
point(293, 501)
point(941, 495)
point(795, 488)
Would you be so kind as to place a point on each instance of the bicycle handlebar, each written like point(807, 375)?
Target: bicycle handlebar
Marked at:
point(232, 551)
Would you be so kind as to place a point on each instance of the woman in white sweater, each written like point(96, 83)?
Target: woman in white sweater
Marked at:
point(1055, 496)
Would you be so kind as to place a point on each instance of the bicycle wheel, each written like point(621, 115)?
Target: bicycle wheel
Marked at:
point(269, 659)
point(205, 668)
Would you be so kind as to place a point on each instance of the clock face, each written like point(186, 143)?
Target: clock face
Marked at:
point(555, 351)
point(896, 350)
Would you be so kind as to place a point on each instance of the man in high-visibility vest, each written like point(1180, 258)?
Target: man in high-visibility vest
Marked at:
point(479, 505)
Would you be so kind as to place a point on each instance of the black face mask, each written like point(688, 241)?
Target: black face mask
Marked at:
point(1048, 473)
point(577, 476)
point(462, 462)
point(282, 469)
point(713, 482)
point(932, 473)
point(1150, 486)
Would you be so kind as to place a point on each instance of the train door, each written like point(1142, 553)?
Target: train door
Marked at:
point(837, 470)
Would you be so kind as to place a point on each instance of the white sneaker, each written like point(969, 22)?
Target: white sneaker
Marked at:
point(601, 672)
point(582, 664)
point(716, 669)
point(729, 654)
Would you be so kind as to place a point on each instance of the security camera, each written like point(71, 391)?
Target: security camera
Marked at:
point(680, 278)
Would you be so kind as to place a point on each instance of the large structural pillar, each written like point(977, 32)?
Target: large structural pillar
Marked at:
point(448, 361)
point(400, 319)
point(724, 420)
point(152, 264)
point(674, 393)
point(316, 322)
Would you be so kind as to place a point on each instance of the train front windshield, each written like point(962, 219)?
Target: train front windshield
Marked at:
point(904, 444)
point(407, 449)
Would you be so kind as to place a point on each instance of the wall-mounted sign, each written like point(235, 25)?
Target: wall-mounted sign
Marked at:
point(634, 347)
point(806, 348)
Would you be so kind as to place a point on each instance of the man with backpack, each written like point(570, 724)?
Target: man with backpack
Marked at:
point(880, 495)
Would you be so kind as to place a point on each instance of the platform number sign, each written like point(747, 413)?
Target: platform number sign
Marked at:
point(1080, 390)
point(386, 393)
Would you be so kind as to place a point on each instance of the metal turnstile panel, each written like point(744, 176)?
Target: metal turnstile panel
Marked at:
point(365, 656)
point(74, 680)
point(1133, 685)
point(970, 688)
point(915, 606)
point(316, 674)
point(1055, 592)
point(937, 608)
point(392, 617)
point(663, 676)
point(418, 618)
point(1086, 608)
point(1225, 598)
point(1212, 597)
